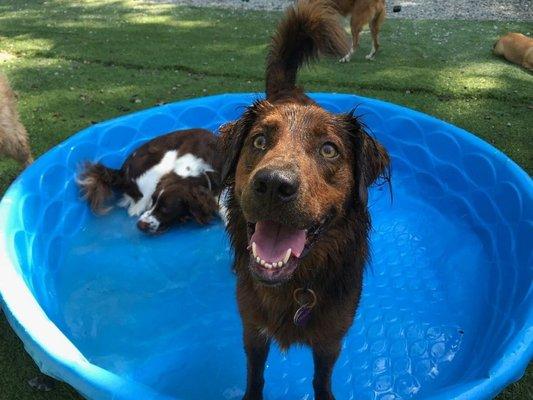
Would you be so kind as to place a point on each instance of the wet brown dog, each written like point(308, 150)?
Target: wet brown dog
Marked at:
point(297, 178)
point(13, 135)
point(362, 12)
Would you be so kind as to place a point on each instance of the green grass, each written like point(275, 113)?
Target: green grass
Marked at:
point(74, 63)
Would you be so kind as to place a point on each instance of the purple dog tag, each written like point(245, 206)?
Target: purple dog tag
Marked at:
point(302, 315)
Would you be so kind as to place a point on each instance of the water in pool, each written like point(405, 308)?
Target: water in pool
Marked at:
point(165, 314)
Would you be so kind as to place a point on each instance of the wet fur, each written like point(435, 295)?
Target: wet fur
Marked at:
point(99, 184)
point(302, 36)
point(14, 141)
point(334, 266)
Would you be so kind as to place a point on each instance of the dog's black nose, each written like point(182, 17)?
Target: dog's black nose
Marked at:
point(143, 226)
point(276, 184)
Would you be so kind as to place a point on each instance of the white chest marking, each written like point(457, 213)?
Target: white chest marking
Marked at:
point(187, 165)
point(147, 182)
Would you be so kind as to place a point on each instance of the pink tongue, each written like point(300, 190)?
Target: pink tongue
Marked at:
point(272, 240)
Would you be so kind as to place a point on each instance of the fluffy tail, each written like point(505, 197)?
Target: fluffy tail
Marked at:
point(308, 29)
point(96, 185)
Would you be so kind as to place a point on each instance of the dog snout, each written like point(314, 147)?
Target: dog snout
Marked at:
point(143, 225)
point(276, 185)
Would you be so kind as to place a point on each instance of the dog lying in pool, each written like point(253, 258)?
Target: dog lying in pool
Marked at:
point(169, 179)
point(297, 178)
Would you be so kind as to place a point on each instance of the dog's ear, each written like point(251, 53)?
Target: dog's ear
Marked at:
point(202, 205)
point(231, 140)
point(371, 159)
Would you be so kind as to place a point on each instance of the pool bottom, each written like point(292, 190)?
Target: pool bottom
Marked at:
point(164, 314)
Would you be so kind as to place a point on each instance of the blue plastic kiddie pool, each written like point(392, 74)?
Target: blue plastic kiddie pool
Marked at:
point(447, 307)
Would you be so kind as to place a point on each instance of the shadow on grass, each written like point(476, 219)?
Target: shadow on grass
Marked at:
point(450, 58)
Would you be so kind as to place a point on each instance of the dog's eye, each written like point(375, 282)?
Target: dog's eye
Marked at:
point(168, 208)
point(328, 150)
point(260, 142)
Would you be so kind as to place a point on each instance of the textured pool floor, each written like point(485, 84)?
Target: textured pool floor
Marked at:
point(446, 309)
point(169, 318)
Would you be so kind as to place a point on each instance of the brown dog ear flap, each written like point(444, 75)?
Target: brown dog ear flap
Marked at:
point(202, 205)
point(231, 140)
point(376, 164)
point(371, 159)
point(229, 147)
point(376, 160)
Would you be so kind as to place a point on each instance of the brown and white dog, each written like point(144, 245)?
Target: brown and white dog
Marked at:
point(362, 12)
point(169, 179)
point(297, 178)
point(516, 48)
point(13, 136)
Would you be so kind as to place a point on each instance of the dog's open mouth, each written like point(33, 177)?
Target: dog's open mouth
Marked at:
point(276, 249)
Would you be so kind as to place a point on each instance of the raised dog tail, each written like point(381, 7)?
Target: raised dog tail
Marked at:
point(308, 29)
point(96, 183)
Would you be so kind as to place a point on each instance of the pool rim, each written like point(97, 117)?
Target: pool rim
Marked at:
point(65, 362)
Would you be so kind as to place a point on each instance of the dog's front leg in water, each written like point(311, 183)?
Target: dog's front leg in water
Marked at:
point(324, 355)
point(256, 347)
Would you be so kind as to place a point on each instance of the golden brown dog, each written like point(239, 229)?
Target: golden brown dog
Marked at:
point(362, 12)
point(297, 178)
point(516, 48)
point(13, 135)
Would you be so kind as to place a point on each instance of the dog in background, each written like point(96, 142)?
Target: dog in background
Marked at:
point(362, 12)
point(13, 136)
point(169, 179)
point(297, 177)
point(516, 48)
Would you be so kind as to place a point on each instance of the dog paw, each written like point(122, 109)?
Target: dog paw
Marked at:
point(324, 396)
point(345, 59)
point(252, 397)
point(42, 383)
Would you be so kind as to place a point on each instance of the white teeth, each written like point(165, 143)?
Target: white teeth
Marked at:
point(287, 256)
point(268, 265)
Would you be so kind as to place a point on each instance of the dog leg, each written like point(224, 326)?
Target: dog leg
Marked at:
point(24, 155)
point(348, 56)
point(375, 26)
point(42, 383)
point(355, 44)
point(356, 32)
point(324, 357)
point(256, 347)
